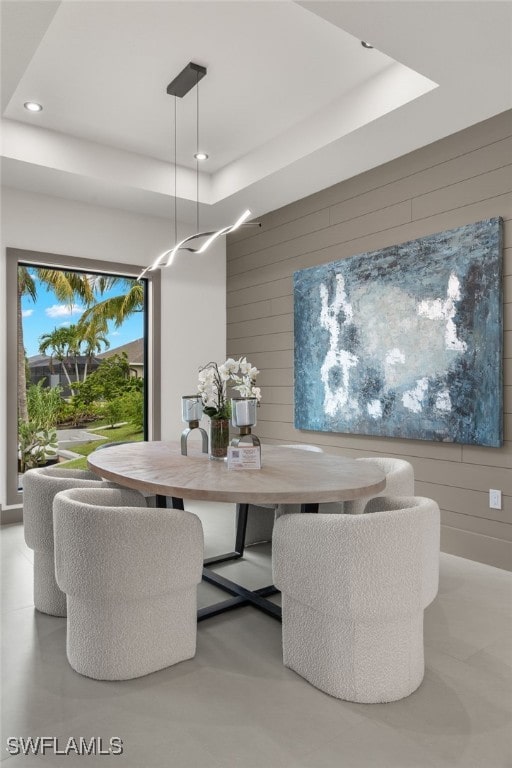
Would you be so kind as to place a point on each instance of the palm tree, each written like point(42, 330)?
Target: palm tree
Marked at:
point(26, 287)
point(67, 286)
point(116, 308)
point(93, 337)
point(66, 342)
point(73, 345)
point(58, 342)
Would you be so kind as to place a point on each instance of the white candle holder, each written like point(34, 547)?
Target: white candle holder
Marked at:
point(191, 413)
point(243, 416)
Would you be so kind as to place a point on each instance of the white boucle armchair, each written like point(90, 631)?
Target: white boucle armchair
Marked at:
point(399, 482)
point(130, 574)
point(39, 488)
point(354, 589)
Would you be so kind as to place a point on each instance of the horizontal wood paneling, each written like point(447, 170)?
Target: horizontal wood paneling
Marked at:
point(429, 180)
point(477, 524)
point(507, 288)
point(486, 185)
point(459, 145)
point(283, 270)
point(357, 445)
point(507, 399)
point(465, 501)
point(238, 297)
point(375, 221)
point(490, 457)
point(276, 412)
point(461, 179)
point(280, 234)
point(279, 342)
point(280, 359)
point(283, 305)
point(261, 325)
point(475, 546)
point(277, 378)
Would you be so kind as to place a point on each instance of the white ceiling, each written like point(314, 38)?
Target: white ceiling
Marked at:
point(291, 103)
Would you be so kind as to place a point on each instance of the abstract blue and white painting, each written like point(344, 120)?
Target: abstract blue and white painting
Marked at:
point(405, 341)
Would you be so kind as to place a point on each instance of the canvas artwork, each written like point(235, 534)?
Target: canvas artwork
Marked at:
point(405, 341)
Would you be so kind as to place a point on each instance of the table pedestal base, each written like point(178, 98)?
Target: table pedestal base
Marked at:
point(240, 596)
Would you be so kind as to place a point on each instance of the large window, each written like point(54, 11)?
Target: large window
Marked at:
point(84, 353)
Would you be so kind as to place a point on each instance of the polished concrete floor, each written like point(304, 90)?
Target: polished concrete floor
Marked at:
point(235, 705)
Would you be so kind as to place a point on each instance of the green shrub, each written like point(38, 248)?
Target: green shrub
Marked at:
point(110, 381)
point(114, 411)
point(44, 404)
point(35, 445)
point(134, 407)
point(75, 413)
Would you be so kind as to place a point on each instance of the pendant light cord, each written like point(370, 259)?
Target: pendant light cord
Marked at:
point(197, 152)
point(175, 183)
point(180, 86)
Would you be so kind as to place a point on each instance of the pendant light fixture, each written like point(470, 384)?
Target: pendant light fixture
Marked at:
point(199, 242)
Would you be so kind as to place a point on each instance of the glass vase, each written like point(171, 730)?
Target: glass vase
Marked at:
point(191, 408)
point(219, 439)
point(243, 411)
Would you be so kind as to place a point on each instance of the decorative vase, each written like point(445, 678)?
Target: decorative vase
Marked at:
point(243, 411)
point(243, 416)
point(191, 413)
point(191, 409)
point(219, 438)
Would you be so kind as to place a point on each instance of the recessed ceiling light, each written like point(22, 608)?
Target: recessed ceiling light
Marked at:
point(33, 106)
point(201, 156)
point(365, 44)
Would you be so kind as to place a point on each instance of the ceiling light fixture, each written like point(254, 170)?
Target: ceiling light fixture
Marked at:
point(179, 87)
point(365, 44)
point(33, 106)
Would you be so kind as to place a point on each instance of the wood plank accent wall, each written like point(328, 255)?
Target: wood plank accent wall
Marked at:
point(461, 179)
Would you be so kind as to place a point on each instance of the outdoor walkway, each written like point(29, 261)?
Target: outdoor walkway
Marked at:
point(69, 437)
point(66, 438)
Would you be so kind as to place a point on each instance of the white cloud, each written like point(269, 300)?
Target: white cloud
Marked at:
point(115, 333)
point(63, 310)
point(27, 312)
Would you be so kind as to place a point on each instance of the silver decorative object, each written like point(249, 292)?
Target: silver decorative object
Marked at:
point(191, 413)
point(243, 416)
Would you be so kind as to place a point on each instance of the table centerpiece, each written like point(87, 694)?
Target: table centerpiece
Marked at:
point(213, 383)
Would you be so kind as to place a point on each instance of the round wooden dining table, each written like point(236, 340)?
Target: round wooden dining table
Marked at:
point(287, 476)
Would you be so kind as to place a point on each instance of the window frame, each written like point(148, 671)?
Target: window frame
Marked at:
point(152, 344)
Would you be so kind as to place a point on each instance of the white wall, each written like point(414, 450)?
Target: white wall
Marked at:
point(193, 289)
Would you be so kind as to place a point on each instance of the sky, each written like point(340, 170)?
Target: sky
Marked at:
point(47, 313)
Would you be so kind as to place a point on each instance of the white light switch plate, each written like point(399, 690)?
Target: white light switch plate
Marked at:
point(494, 499)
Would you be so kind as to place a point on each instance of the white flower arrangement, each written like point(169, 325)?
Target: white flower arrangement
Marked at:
point(213, 382)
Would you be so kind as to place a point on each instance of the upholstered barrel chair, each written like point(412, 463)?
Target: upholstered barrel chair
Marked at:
point(260, 517)
point(39, 488)
point(399, 482)
point(354, 589)
point(130, 574)
point(150, 497)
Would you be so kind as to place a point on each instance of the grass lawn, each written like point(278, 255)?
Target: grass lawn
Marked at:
point(124, 432)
